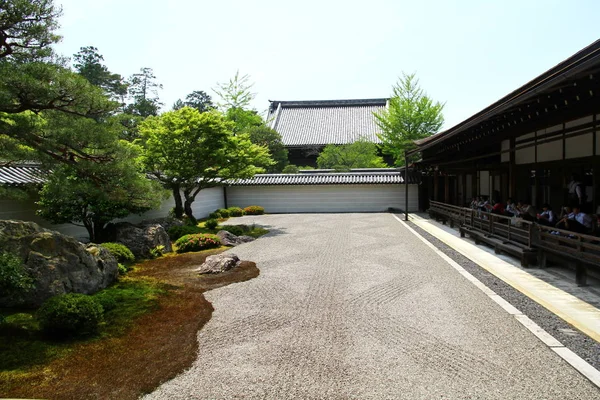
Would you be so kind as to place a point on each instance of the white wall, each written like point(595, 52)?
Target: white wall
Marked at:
point(324, 198)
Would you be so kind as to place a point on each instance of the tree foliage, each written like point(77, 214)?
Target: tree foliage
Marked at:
point(88, 63)
point(235, 93)
point(264, 136)
point(189, 151)
point(93, 194)
point(411, 115)
point(143, 90)
point(27, 29)
point(198, 99)
point(360, 154)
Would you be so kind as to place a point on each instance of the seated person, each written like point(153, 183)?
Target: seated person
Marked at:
point(484, 204)
point(577, 221)
point(498, 208)
point(546, 217)
point(528, 212)
point(474, 203)
point(511, 209)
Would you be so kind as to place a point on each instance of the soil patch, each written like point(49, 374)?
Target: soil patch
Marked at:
point(160, 344)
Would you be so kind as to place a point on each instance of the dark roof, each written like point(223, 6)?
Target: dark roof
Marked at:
point(579, 63)
point(19, 175)
point(328, 178)
point(321, 122)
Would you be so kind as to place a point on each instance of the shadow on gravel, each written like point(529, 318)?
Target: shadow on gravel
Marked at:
point(159, 346)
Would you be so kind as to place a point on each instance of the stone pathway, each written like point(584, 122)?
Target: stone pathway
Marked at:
point(356, 306)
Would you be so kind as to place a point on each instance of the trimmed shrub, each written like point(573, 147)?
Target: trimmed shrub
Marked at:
point(237, 230)
point(122, 269)
point(71, 314)
point(235, 211)
point(224, 212)
point(189, 221)
point(14, 278)
point(197, 242)
point(175, 232)
point(214, 215)
point(211, 223)
point(120, 251)
point(157, 251)
point(254, 210)
point(290, 169)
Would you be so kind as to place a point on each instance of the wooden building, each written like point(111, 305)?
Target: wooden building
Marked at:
point(308, 126)
point(526, 145)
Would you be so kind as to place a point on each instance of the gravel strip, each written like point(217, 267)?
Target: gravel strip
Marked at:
point(572, 338)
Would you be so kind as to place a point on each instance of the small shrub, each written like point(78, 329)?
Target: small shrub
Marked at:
point(214, 215)
point(189, 221)
point(106, 300)
point(71, 314)
point(14, 278)
point(122, 269)
point(211, 223)
point(235, 212)
point(290, 169)
point(224, 212)
point(237, 230)
point(197, 242)
point(158, 251)
point(254, 210)
point(175, 232)
point(120, 251)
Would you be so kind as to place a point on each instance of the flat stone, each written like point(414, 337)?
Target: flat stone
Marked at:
point(219, 263)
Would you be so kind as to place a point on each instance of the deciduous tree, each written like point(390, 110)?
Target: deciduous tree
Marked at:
point(235, 93)
point(360, 154)
point(189, 151)
point(269, 138)
point(411, 115)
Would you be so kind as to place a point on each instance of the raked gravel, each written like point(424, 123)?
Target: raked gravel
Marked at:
point(356, 306)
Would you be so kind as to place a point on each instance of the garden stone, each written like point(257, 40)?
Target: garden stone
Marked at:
point(219, 263)
point(57, 263)
point(140, 238)
point(229, 239)
point(166, 222)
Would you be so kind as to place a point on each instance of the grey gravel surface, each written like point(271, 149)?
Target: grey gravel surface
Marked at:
point(584, 346)
point(356, 306)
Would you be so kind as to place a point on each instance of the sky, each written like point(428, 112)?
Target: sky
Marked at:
point(465, 53)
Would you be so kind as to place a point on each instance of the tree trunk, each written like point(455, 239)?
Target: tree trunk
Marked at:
point(89, 227)
point(178, 202)
point(188, 209)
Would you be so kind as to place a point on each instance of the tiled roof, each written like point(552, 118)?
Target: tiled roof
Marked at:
point(315, 123)
point(21, 175)
point(338, 178)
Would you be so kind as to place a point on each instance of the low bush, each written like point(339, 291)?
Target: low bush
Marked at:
point(120, 251)
point(235, 212)
point(290, 169)
point(254, 210)
point(224, 212)
point(122, 269)
point(237, 230)
point(14, 278)
point(157, 251)
point(175, 232)
point(189, 221)
point(211, 223)
point(69, 315)
point(214, 215)
point(197, 242)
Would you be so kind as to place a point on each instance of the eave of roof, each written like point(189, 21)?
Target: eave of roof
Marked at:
point(584, 58)
point(339, 178)
point(21, 175)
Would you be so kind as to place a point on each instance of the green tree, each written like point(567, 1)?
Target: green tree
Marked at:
point(243, 120)
point(198, 99)
point(264, 136)
point(27, 29)
point(235, 93)
point(88, 63)
point(189, 151)
point(360, 154)
point(411, 115)
point(143, 89)
point(93, 194)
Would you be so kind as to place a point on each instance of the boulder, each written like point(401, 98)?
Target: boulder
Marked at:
point(229, 239)
point(140, 238)
point(219, 263)
point(57, 263)
point(166, 222)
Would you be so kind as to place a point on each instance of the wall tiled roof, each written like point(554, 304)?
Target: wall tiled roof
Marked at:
point(21, 175)
point(339, 178)
point(317, 123)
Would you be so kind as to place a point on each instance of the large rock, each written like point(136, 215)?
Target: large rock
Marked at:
point(219, 263)
point(229, 239)
point(57, 263)
point(166, 222)
point(140, 238)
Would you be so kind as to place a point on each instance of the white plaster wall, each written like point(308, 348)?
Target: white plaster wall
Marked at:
point(484, 183)
point(579, 146)
point(527, 155)
point(505, 145)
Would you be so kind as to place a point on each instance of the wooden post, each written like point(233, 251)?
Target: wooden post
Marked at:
point(447, 189)
point(512, 174)
point(436, 185)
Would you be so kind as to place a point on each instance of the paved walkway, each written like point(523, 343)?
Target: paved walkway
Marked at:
point(356, 306)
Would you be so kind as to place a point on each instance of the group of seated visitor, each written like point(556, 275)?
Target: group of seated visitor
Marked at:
point(571, 218)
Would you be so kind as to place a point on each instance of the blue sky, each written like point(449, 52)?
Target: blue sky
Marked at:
point(467, 54)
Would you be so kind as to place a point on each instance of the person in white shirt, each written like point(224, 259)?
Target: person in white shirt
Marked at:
point(576, 191)
point(546, 217)
point(577, 221)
